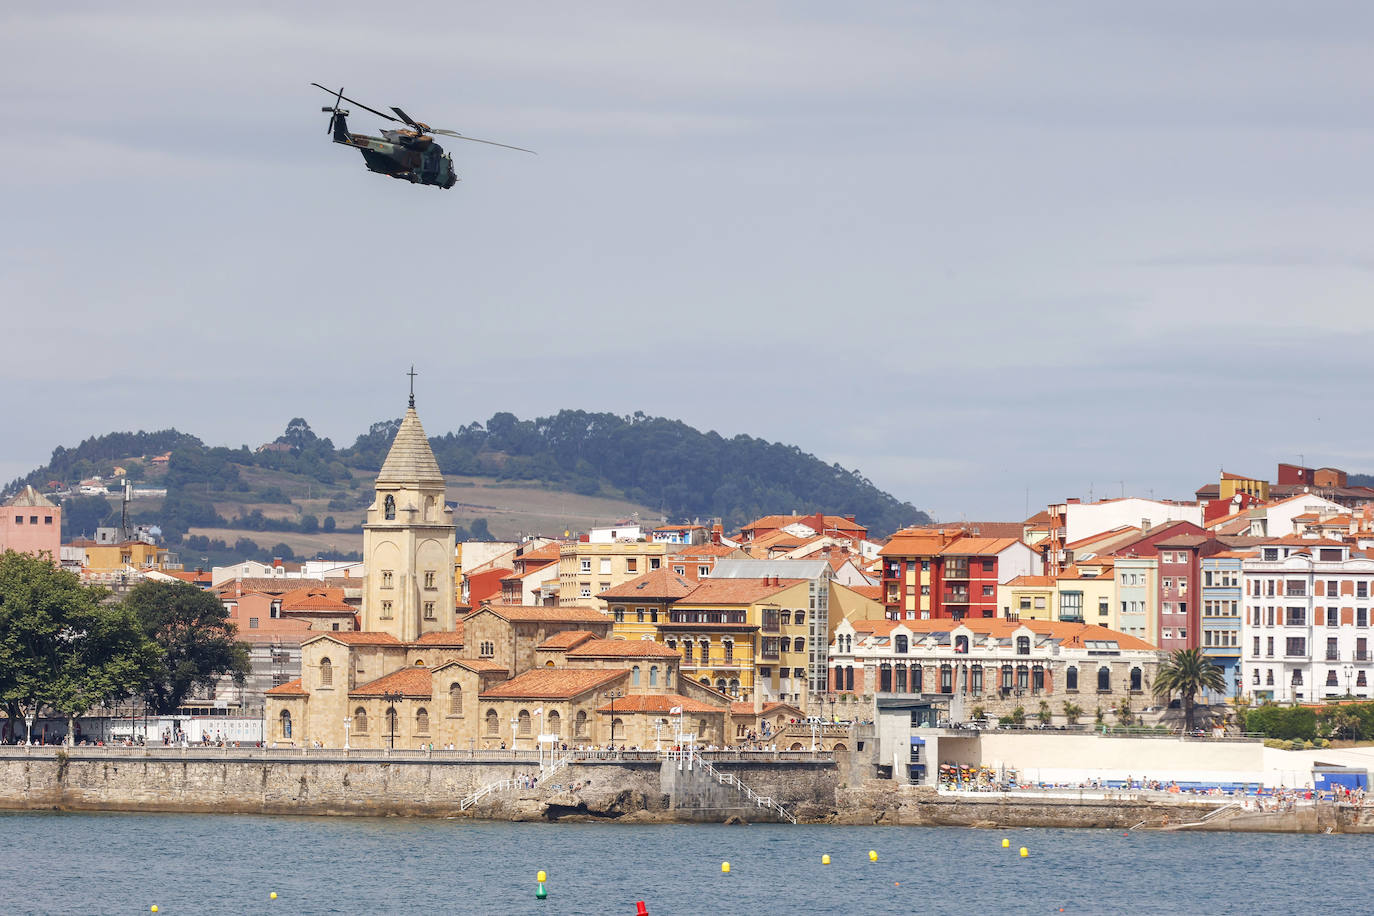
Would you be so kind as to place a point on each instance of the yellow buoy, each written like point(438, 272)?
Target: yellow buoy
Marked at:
point(1025, 852)
point(541, 878)
point(153, 908)
point(1006, 843)
point(873, 855)
point(272, 896)
point(725, 868)
point(825, 860)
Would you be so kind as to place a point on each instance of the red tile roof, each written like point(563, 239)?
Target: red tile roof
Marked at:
point(656, 584)
point(972, 547)
point(566, 640)
point(449, 639)
point(359, 637)
point(622, 648)
point(408, 682)
point(535, 613)
point(315, 600)
point(734, 591)
point(289, 689)
point(555, 683)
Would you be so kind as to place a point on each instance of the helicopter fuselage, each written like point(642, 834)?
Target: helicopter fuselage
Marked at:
point(404, 154)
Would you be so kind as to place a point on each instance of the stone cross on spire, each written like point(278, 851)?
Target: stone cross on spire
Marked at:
point(412, 375)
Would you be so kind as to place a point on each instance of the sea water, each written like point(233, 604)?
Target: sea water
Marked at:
point(126, 863)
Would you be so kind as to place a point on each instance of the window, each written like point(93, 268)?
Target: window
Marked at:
point(386, 578)
point(605, 566)
point(1295, 588)
point(903, 644)
point(1297, 677)
point(1025, 604)
point(631, 564)
point(584, 590)
point(729, 646)
point(1296, 646)
point(252, 623)
point(1361, 617)
point(1331, 678)
point(487, 649)
point(1361, 589)
point(639, 614)
point(1103, 607)
point(1168, 582)
point(679, 570)
point(586, 564)
point(1039, 604)
point(703, 571)
point(386, 610)
point(360, 721)
point(1137, 679)
point(798, 645)
point(1332, 617)
point(524, 723)
point(389, 508)
point(1269, 677)
point(653, 675)
point(634, 676)
point(799, 617)
point(1269, 646)
point(326, 673)
point(1023, 645)
point(960, 645)
point(455, 699)
point(493, 722)
point(975, 678)
point(47, 519)
point(285, 724)
point(580, 724)
point(655, 562)
point(1104, 679)
point(422, 721)
point(429, 578)
point(988, 591)
point(1296, 617)
point(429, 610)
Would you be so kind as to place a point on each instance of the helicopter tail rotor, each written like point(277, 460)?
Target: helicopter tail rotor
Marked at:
point(336, 117)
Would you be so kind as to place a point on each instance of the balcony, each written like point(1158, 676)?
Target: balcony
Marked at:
point(1332, 655)
point(1361, 655)
point(955, 598)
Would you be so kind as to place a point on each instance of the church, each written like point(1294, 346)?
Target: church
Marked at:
point(414, 676)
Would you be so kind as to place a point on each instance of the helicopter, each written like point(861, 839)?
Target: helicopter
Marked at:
point(409, 152)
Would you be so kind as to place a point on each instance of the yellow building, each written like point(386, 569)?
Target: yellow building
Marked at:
point(1027, 598)
point(1086, 593)
point(587, 570)
point(854, 602)
point(1231, 484)
point(638, 606)
point(107, 558)
point(745, 637)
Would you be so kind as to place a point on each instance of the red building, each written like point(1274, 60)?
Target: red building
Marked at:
point(934, 573)
point(1178, 548)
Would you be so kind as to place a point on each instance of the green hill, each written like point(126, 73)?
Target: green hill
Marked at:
point(301, 494)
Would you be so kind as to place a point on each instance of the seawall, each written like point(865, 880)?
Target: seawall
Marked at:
point(634, 790)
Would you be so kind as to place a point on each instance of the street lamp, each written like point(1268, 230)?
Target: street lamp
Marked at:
point(391, 697)
point(831, 698)
point(1349, 673)
point(613, 694)
point(348, 720)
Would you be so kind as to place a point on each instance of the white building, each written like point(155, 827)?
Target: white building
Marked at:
point(1305, 633)
point(1088, 519)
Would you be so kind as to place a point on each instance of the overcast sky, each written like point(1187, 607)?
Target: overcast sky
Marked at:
point(990, 255)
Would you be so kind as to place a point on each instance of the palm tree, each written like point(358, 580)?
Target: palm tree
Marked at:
point(1186, 672)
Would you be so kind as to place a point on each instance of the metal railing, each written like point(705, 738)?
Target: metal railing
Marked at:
point(694, 758)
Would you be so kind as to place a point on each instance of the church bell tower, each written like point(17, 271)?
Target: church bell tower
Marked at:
point(408, 540)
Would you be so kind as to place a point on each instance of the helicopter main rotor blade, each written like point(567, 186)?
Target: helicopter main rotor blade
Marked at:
point(356, 102)
point(450, 133)
point(405, 117)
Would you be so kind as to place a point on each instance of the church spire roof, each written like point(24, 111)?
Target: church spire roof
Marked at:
point(411, 460)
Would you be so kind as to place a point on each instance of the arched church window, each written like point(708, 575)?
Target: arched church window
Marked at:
point(525, 722)
point(653, 676)
point(360, 721)
point(554, 723)
point(580, 724)
point(422, 721)
point(285, 724)
point(634, 676)
point(493, 722)
point(455, 700)
point(326, 673)
point(389, 507)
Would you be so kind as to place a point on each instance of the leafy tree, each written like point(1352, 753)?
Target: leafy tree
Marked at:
point(328, 525)
point(1186, 672)
point(310, 524)
point(103, 656)
point(1044, 714)
point(1017, 716)
point(479, 530)
point(1071, 712)
point(197, 640)
point(60, 646)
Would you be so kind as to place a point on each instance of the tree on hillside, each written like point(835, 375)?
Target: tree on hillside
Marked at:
point(198, 642)
point(1186, 672)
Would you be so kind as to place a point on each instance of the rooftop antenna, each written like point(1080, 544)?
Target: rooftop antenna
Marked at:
point(412, 374)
